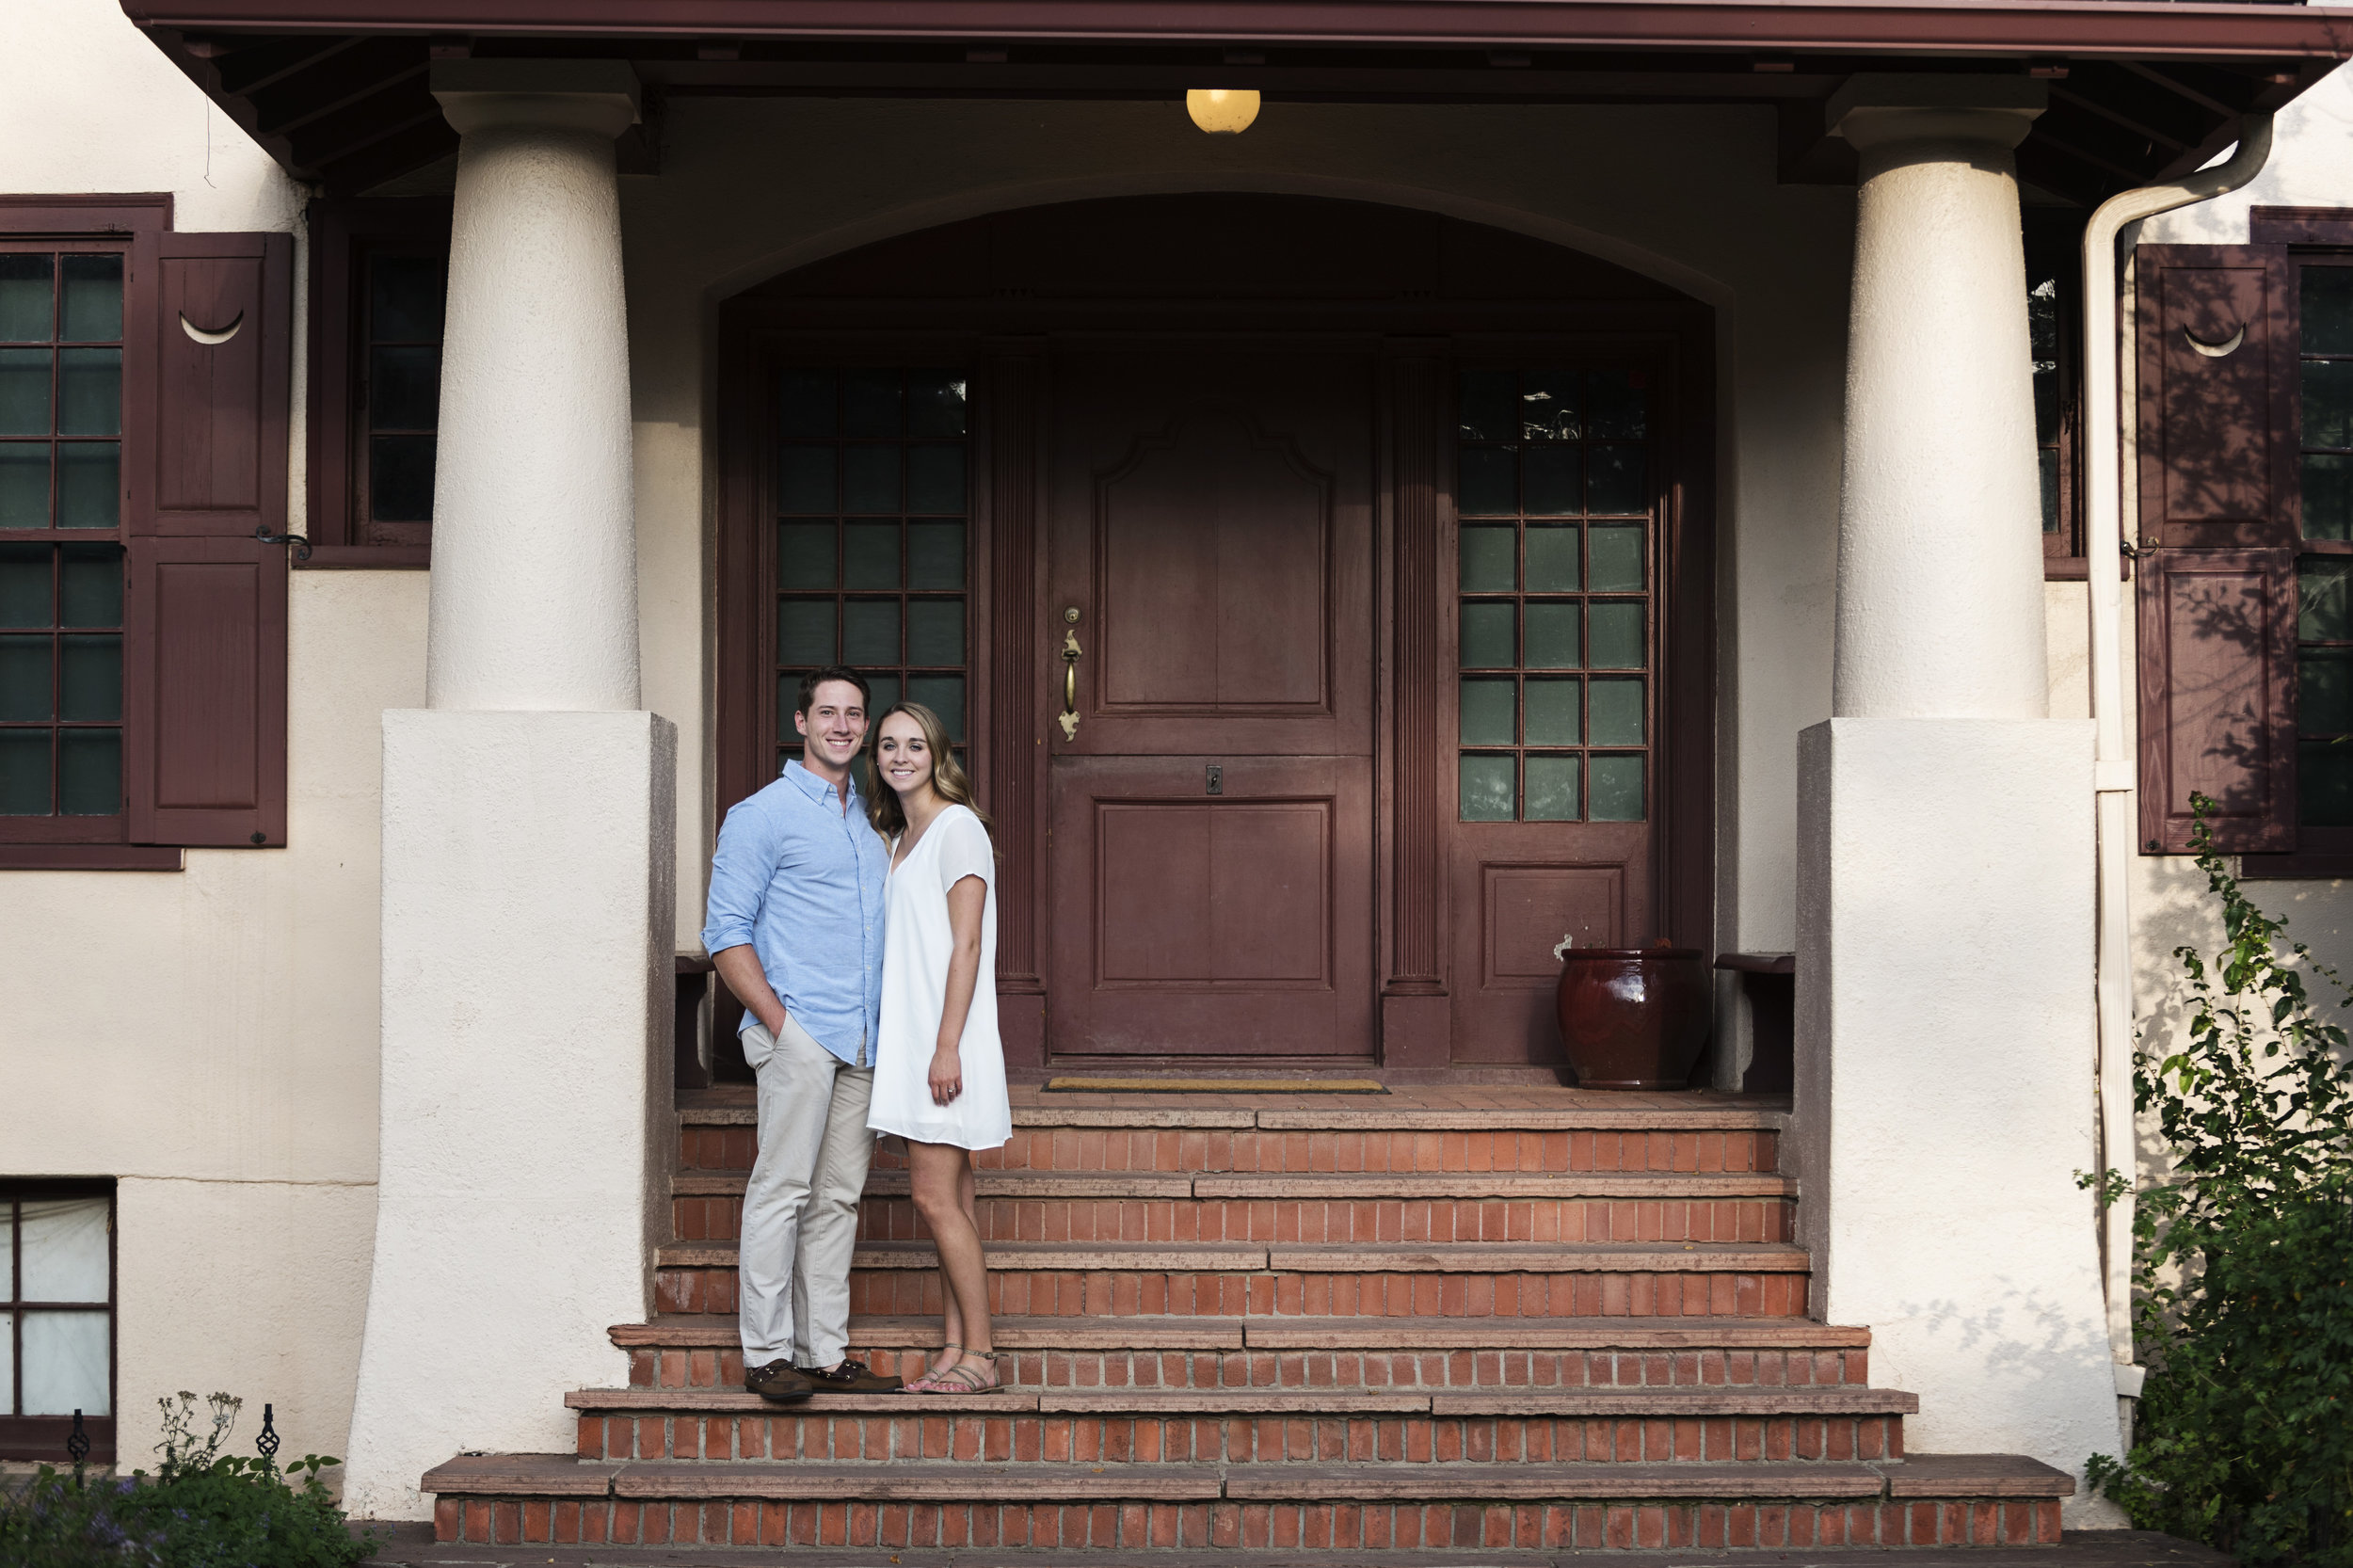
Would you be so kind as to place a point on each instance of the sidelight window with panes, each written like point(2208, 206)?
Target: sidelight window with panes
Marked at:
point(61, 568)
point(1553, 502)
point(873, 542)
point(56, 1319)
point(2323, 620)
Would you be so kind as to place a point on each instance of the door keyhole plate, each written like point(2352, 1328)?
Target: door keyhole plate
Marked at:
point(1214, 775)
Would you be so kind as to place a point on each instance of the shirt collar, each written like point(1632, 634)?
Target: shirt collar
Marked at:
point(817, 788)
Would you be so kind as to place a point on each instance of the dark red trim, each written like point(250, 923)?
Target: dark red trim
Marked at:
point(368, 557)
point(2301, 225)
point(85, 215)
point(41, 1438)
point(2113, 27)
point(89, 858)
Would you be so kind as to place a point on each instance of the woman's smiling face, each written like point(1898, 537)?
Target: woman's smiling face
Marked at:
point(902, 755)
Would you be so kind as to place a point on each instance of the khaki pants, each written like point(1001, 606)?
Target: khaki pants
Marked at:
point(800, 1208)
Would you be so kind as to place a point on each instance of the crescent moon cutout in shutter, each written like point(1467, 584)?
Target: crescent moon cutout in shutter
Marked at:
point(2210, 350)
point(214, 339)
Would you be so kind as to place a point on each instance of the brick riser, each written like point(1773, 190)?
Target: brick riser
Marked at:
point(1326, 1439)
point(1312, 1526)
point(903, 1293)
point(1459, 1369)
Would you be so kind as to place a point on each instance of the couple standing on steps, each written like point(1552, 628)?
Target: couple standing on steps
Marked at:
point(859, 928)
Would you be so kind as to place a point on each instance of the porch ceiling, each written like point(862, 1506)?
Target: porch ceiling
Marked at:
point(336, 89)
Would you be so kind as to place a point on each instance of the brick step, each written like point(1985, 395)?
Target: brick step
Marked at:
point(1462, 1279)
point(1250, 1425)
point(531, 1499)
point(1206, 1352)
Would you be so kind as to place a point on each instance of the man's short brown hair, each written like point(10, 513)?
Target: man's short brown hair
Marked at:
point(815, 679)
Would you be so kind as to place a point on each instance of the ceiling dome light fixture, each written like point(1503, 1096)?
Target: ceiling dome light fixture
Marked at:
point(1222, 111)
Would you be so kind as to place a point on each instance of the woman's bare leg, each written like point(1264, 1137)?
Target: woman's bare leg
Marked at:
point(944, 1195)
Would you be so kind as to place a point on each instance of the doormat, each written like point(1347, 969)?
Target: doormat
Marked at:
point(1215, 1086)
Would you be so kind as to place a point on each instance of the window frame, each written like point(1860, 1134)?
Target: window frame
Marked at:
point(43, 1438)
point(2054, 243)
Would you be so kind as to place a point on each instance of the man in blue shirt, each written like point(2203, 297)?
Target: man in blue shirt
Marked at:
point(794, 925)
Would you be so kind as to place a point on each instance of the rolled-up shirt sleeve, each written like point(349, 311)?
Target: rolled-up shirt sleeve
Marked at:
point(739, 873)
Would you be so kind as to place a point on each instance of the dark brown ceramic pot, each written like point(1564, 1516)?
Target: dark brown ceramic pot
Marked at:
point(1634, 1017)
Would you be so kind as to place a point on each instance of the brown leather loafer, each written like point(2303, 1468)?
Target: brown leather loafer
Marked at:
point(851, 1377)
point(777, 1382)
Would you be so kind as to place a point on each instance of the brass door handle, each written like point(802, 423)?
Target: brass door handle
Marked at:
point(1071, 653)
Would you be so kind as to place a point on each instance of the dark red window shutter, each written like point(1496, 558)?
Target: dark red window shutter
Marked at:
point(2216, 584)
point(205, 619)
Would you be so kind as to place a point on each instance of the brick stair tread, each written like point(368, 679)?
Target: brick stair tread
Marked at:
point(1333, 1118)
point(1547, 1333)
point(1610, 1402)
point(1537, 1258)
point(1157, 1333)
point(1977, 1476)
point(1353, 1186)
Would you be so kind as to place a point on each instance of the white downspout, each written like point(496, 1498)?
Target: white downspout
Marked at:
point(2104, 540)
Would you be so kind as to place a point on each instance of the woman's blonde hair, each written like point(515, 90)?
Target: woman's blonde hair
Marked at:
point(882, 802)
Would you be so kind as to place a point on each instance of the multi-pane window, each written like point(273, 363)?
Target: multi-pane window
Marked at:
point(61, 571)
point(2323, 620)
point(1553, 496)
point(2043, 335)
point(402, 338)
point(872, 479)
point(57, 1264)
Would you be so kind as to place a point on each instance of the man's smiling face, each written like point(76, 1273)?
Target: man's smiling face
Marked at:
point(834, 726)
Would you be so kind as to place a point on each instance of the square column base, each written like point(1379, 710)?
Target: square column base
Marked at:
point(1944, 1076)
point(526, 1118)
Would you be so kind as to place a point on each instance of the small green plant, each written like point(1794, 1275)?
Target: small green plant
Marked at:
point(201, 1509)
point(2243, 1262)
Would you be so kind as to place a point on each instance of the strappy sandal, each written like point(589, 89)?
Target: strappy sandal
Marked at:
point(961, 1379)
point(923, 1383)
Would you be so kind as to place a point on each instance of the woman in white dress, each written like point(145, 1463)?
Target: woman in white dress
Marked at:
point(939, 1070)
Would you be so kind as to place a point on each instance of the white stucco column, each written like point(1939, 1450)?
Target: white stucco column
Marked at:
point(1945, 1045)
point(528, 821)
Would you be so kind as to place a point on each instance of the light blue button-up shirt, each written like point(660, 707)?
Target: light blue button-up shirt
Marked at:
point(802, 882)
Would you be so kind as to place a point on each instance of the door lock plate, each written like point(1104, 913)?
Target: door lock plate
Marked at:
point(1214, 775)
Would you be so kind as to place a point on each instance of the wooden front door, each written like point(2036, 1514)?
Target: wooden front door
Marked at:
point(1210, 812)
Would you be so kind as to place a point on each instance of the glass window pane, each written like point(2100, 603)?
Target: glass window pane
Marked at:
point(405, 296)
point(936, 403)
point(1614, 480)
point(1552, 718)
point(2328, 403)
point(1552, 566)
point(93, 586)
point(2043, 341)
point(24, 677)
point(24, 772)
point(804, 479)
point(90, 685)
point(66, 1364)
point(805, 405)
point(869, 632)
point(2323, 611)
point(7, 1319)
point(1489, 716)
point(89, 397)
point(404, 389)
point(1489, 483)
point(1552, 789)
point(1617, 788)
point(24, 391)
point(1552, 479)
point(870, 403)
point(935, 631)
point(936, 555)
point(935, 479)
point(24, 484)
point(805, 555)
point(943, 694)
point(89, 771)
point(400, 478)
point(870, 554)
point(1548, 405)
point(28, 298)
point(1489, 411)
point(1488, 790)
point(1488, 567)
point(1487, 637)
point(2328, 494)
point(1552, 636)
point(25, 600)
point(869, 478)
point(1617, 639)
point(1617, 560)
point(804, 631)
point(90, 483)
point(2324, 692)
point(1618, 712)
point(2324, 783)
point(1616, 406)
point(2327, 309)
point(2048, 460)
point(883, 695)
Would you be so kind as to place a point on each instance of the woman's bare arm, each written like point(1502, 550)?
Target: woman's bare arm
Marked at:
point(967, 900)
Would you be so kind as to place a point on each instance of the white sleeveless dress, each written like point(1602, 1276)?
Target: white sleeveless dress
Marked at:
point(917, 943)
